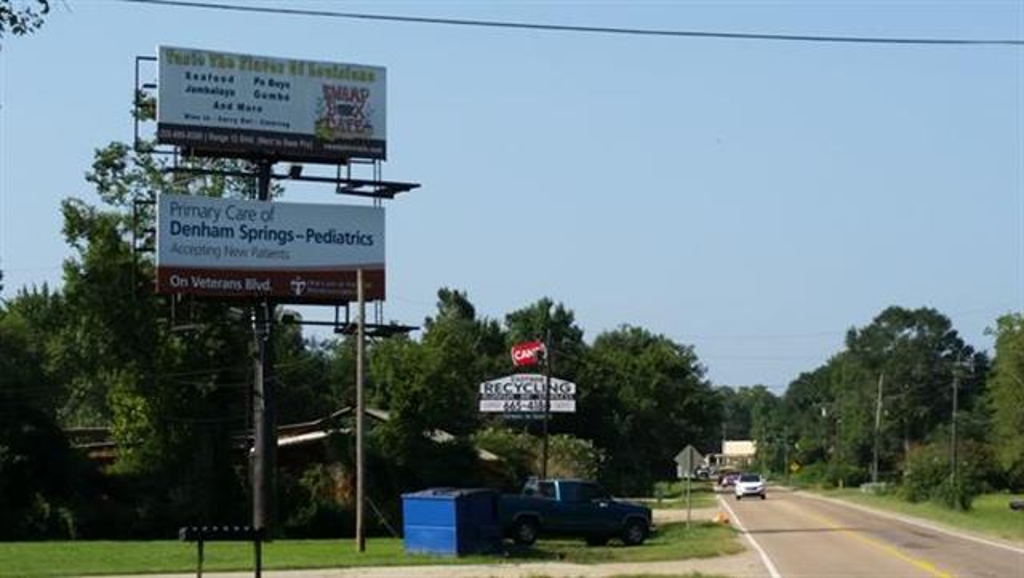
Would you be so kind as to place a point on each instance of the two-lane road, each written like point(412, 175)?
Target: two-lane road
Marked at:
point(805, 537)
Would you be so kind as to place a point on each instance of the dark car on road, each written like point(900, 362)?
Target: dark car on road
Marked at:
point(573, 508)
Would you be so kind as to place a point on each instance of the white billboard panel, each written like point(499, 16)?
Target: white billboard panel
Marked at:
point(526, 393)
point(526, 406)
point(227, 103)
point(295, 252)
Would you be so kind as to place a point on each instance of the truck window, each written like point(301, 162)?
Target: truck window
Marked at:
point(547, 490)
point(591, 492)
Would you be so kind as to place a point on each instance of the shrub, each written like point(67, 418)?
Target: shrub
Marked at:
point(926, 475)
point(316, 508)
point(829, 475)
point(568, 456)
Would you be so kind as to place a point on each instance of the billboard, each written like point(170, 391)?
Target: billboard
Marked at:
point(524, 393)
point(238, 104)
point(297, 253)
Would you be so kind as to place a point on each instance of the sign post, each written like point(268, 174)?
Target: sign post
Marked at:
point(687, 460)
point(360, 411)
point(547, 402)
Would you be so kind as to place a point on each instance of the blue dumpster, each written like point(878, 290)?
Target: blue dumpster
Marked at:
point(451, 521)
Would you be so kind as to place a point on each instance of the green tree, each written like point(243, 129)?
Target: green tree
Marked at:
point(648, 398)
point(1006, 398)
point(43, 484)
point(432, 384)
point(537, 320)
point(917, 351)
point(169, 376)
point(20, 18)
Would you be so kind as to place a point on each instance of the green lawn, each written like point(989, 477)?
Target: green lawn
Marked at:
point(36, 559)
point(991, 513)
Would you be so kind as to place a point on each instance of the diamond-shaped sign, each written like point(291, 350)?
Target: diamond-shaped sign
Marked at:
point(688, 459)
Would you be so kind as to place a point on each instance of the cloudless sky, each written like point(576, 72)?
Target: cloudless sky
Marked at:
point(754, 199)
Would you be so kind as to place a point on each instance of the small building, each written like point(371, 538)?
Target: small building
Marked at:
point(735, 454)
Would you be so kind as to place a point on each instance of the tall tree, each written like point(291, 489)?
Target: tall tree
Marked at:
point(1006, 397)
point(919, 353)
point(648, 399)
point(432, 384)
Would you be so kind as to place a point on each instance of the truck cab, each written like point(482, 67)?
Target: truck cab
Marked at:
point(576, 508)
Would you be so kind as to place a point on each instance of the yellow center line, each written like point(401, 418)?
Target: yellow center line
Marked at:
point(889, 549)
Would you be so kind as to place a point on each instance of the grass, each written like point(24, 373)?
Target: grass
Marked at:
point(673, 496)
point(990, 515)
point(691, 575)
point(39, 559)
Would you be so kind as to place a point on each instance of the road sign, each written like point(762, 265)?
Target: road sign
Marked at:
point(688, 459)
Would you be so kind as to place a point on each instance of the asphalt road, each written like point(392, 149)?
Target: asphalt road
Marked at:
point(805, 537)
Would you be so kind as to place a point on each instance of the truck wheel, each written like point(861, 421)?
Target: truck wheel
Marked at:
point(596, 540)
point(524, 532)
point(634, 533)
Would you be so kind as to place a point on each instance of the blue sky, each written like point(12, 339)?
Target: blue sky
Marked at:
point(754, 199)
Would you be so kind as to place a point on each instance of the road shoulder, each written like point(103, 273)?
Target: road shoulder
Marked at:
point(919, 522)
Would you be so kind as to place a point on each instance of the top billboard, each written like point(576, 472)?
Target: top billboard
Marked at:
point(222, 103)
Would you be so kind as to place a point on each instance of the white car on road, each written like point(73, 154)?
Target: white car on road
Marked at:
point(749, 485)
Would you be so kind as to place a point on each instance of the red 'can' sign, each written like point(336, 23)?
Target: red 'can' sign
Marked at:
point(527, 353)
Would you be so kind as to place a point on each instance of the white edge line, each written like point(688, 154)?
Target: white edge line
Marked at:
point(772, 570)
point(912, 522)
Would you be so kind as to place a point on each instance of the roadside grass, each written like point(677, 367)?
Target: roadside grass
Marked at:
point(990, 515)
point(672, 542)
point(673, 495)
point(691, 575)
point(80, 558)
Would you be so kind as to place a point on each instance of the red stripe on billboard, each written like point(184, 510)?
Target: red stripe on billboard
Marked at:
point(308, 286)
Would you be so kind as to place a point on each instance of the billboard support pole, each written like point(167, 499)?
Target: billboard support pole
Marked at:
point(264, 426)
point(360, 411)
point(547, 401)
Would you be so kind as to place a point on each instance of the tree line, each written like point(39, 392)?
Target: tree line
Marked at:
point(168, 382)
point(882, 410)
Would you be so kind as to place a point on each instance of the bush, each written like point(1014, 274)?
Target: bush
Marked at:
point(568, 456)
point(828, 475)
point(958, 495)
point(316, 508)
point(926, 475)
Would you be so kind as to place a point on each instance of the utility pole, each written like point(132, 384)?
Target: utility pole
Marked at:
point(785, 451)
point(547, 400)
point(264, 422)
point(360, 411)
point(953, 441)
point(264, 428)
point(878, 429)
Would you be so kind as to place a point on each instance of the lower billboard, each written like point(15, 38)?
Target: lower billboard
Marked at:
point(527, 393)
point(293, 253)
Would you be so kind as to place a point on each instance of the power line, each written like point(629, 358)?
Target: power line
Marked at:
point(582, 29)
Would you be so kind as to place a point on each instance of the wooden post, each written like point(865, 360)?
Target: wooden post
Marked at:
point(360, 411)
